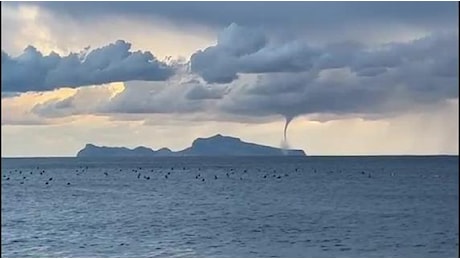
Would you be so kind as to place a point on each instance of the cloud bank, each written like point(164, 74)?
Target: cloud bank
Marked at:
point(33, 71)
point(320, 15)
point(249, 74)
point(242, 50)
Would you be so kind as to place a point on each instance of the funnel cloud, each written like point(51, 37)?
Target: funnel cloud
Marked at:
point(284, 143)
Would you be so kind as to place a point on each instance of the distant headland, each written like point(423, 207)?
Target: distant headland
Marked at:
point(217, 145)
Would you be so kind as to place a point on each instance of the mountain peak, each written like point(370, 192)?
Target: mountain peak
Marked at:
point(220, 137)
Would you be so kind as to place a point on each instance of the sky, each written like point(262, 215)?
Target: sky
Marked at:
point(349, 78)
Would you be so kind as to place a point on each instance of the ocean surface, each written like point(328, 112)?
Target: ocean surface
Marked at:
point(231, 207)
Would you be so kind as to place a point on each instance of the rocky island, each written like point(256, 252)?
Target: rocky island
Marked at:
point(217, 145)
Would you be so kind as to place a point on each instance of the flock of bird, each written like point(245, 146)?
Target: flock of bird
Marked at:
point(145, 173)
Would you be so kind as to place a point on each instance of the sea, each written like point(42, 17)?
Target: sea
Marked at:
point(381, 206)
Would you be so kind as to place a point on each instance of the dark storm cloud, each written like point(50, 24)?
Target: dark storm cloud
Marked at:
point(295, 75)
point(388, 94)
point(273, 14)
point(242, 50)
point(344, 79)
point(33, 71)
point(200, 92)
point(416, 75)
point(350, 79)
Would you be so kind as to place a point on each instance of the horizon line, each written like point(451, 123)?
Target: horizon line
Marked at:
point(233, 156)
